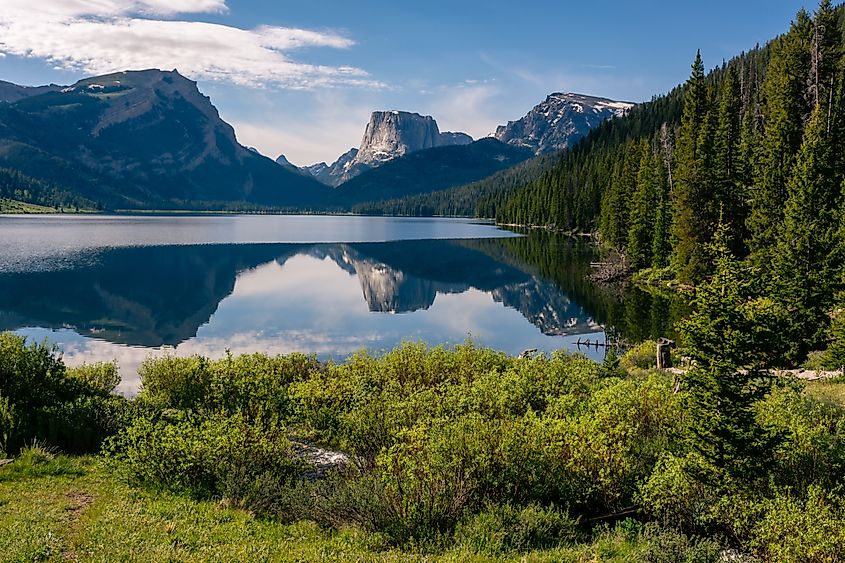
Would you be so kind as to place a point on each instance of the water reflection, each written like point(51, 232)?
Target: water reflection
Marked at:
point(327, 299)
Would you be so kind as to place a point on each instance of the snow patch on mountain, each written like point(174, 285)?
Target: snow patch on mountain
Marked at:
point(560, 121)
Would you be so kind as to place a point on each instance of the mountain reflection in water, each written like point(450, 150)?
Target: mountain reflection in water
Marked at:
point(326, 299)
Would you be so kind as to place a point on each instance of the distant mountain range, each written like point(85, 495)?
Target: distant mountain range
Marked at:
point(559, 122)
point(150, 140)
point(146, 139)
point(389, 135)
point(427, 171)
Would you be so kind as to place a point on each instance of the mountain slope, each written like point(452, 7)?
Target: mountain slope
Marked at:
point(389, 135)
point(11, 93)
point(429, 170)
point(142, 139)
point(560, 121)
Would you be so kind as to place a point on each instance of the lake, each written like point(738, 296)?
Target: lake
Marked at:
point(127, 287)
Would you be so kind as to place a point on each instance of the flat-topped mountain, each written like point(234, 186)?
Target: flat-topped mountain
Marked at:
point(429, 170)
point(389, 135)
point(139, 139)
point(560, 121)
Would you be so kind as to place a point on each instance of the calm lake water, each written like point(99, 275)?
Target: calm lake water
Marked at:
point(124, 288)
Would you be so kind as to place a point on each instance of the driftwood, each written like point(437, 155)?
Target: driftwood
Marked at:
point(614, 516)
point(614, 269)
point(5, 462)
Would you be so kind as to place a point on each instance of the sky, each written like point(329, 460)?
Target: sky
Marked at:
point(302, 77)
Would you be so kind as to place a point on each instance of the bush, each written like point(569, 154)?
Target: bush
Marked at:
point(255, 385)
point(794, 530)
point(41, 399)
point(500, 529)
point(666, 545)
point(641, 356)
point(215, 457)
point(812, 445)
point(674, 498)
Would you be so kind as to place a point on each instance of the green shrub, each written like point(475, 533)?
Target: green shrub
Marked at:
point(812, 445)
point(102, 376)
point(794, 530)
point(500, 529)
point(40, 399)
point(667, 545)
point(7, 423)
point(255, 385)
point(218, 456)
point(674, 498)
point(641, 356)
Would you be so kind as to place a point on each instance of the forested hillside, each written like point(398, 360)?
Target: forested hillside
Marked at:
point(465, 200)
point(757, 146)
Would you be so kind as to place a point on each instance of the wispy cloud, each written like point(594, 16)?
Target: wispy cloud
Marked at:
point(102, 36)
point(469, 106)
point(332, 123)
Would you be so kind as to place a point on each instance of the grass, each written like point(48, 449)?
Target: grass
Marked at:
point(829, 391)
point(75, 509)
point(15, 206)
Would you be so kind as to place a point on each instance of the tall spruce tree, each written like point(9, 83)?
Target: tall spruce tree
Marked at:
point(729, 193)
point(808, 263)
point(731, 337)
point(644, 202)
point(784, 111)
point(692, 193)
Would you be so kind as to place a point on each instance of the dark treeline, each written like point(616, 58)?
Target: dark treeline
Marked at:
point(478, 199)
point(18, 186)
point(757, 145)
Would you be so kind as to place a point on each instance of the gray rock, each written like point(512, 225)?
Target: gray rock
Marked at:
point(559, 122)
point(389, 135)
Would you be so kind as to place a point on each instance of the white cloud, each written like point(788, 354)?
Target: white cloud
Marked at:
point(103, 36)
point(328, 124)
point(470, 107)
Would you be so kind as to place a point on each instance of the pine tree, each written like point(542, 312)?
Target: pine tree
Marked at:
point(732, 334)
point(807, 262)
point(641, 231)
point(693, 183)
point(728, 167)
point(784, 111)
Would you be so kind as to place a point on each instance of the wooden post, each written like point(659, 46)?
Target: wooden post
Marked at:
point(664, 353)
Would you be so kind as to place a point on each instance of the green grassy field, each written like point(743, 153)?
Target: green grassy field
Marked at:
point(830, 391)
point(75, 509)
point(14, 206)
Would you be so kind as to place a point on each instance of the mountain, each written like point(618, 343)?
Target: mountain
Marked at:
point(332, 175)
point(389, 135)
point(429, 170)
point(11, 93)
point(560, 121)
point(144, 139)
point(287, 165)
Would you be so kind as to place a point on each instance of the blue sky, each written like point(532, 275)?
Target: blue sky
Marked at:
point(301, 78)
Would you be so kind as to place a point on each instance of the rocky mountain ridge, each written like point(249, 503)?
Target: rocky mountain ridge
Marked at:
point(139, 139)
point(388, 135)
point(560, 121)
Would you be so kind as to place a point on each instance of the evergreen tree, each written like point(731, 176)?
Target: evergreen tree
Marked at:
point(731, 336)
point(641, 231)
point(693, 185)
point(807, 263)
point(784, 112)
point(729, 185)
